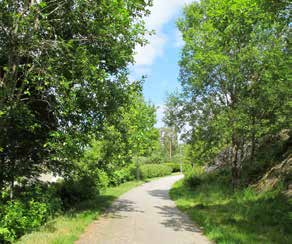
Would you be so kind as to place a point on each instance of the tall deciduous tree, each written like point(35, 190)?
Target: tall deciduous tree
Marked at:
point(63, 74)
point(169, 140)
point(234, 74)
point(130, 135)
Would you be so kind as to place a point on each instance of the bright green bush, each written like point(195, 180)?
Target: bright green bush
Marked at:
point(186, 167)
point(18, 218)
point(33, 204)
point(123, 175)
point(6, 235)
point(154, 170)
point(102, 180)
point(174, 166)
point(192, 180)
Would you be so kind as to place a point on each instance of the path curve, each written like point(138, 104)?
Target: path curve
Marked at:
point(144, 215)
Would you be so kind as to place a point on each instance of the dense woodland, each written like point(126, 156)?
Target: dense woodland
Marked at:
point(68, 108)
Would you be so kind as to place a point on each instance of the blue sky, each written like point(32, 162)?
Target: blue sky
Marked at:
point(163, 73)
point(159, 60)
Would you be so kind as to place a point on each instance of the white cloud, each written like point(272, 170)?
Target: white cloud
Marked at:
point(162, 12)
point(146, 55)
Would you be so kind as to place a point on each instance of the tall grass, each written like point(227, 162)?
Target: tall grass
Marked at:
point(67, 228)
point(243, 216)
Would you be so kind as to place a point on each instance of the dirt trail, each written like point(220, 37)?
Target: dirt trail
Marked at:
point(144, 215)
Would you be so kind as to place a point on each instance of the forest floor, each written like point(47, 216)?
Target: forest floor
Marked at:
point(145, 214)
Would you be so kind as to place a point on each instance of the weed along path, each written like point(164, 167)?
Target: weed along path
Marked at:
point(144, 215)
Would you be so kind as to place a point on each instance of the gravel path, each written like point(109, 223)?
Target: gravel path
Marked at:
point(144, 215)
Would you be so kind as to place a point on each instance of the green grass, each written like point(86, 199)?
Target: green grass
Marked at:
point(236, 217)
point(68, 227)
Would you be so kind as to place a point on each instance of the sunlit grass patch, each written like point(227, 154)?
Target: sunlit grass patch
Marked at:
point(68, 227)
point(243, 216)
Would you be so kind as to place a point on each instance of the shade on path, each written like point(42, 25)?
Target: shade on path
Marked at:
point(144, 215)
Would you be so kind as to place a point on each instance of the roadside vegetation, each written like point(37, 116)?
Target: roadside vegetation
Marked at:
point(257, 211)
point(243, 216)
point(236, 105)
point(66, 228)
point(69, 109)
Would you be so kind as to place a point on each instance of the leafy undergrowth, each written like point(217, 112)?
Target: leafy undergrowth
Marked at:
point(243, 216)
point(67, 228)
point(154, 170)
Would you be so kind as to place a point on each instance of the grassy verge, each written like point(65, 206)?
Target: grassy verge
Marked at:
point(68, 227)
point(235, 217)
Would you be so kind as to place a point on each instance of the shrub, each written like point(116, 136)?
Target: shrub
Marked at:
point(186, 167)
point(154, 170)
point(175, 167)
point(18, 218)
point(34, 203)
point(193, 176)
point(72, 191)
point(192, 180)
point(6, 235)
point(102, 180)
point(40, 192)
point(123, 175)
point(154, 159)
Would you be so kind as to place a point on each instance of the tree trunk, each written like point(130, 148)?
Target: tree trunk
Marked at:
point(253, 140)
point(235, 165)
point(11, 190)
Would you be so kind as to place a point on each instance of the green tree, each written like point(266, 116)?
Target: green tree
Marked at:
point(141, 119)
point(169, 140)
point(130, 135)
point(63, 75)
point(234, 74)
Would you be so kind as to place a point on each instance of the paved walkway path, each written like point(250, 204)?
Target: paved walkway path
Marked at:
point(144, 215)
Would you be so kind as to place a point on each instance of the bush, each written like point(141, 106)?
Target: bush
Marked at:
point(192, 180)
point(102, 180)
point(34, 203)
point(193, 176)
point(154, 170)
point(40, 192)
point(77, 190)
point(6, 235)
point(174, 166)
point(154, 159)
point(186, 167)
point(123, 175)
point(18, 218)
